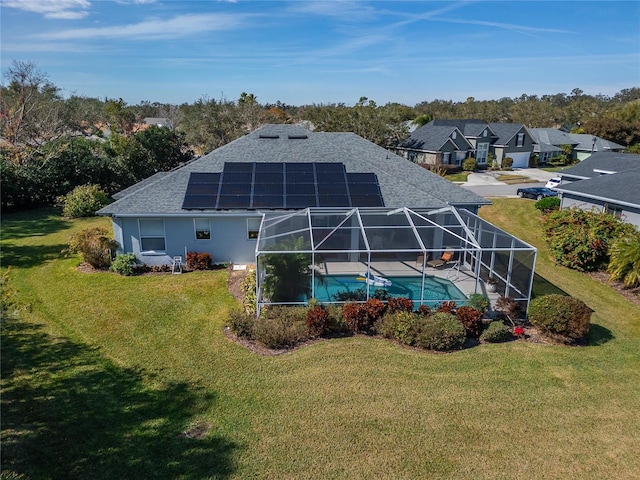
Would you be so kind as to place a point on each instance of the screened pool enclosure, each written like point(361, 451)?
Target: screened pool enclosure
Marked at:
point(337, 255)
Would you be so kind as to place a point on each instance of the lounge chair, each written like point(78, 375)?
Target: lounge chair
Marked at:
point(420, 259)
point(443, 260)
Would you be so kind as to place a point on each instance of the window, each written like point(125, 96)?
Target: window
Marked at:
point(203, 229)
point(613, 210)
point(482, 152)
point(447, 158)
point(520, 141)
point(253, 228)
point(484, 133)
point(152, 235)
point(453, 135)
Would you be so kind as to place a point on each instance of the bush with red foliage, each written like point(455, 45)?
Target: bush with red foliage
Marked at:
point(360, 317)
point(317, 320)
point(400, 304)
point(446, 307)
point(471, 319)
point(424, 310)
point(199, 261)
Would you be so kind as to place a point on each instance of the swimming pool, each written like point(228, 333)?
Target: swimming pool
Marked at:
point(436, 289)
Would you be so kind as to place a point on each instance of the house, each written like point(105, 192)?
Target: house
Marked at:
point(348, 207)
point(549, 142)
point(449, 142)
point(154, 220)
point(606, 181)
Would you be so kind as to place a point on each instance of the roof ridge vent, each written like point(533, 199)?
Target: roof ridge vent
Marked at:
point(271, 136)
point(298, 137)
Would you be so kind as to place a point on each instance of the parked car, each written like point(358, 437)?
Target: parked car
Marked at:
point(536, 192)
point(553, 182)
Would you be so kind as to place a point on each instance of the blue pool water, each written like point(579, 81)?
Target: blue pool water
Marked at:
point(435, 289)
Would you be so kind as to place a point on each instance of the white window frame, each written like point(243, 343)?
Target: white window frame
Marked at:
point(520, 140)
point(252, 233)
point(446, 158)
point(202, 232)
point(483, 148)
point(454, 135)
point(485, 133)
point(154, 235)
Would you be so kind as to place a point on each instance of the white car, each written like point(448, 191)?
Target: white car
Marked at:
point(553, 182)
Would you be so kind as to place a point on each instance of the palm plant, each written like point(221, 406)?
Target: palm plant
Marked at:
point(288, 274)
point(624, 261)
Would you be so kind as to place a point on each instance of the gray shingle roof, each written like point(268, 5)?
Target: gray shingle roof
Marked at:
point(432, 138)
point(402, 183)
point(603, 161)
point(506, 131)
point(621, 188)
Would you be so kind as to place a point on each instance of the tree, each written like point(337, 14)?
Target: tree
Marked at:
point(288, 275)
point(30, 108)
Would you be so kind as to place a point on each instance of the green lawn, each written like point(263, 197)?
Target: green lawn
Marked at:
point(101, 374)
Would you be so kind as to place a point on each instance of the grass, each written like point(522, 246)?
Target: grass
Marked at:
point(457, 177)
point(513, 179)
point(101, 374)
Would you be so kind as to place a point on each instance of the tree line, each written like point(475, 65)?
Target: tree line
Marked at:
point(50, 144)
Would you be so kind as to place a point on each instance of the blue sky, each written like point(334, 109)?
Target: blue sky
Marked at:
point(302, 52)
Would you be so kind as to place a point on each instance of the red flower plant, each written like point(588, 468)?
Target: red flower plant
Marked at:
point(518, 331)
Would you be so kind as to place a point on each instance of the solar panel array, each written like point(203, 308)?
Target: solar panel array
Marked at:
point(254, 185)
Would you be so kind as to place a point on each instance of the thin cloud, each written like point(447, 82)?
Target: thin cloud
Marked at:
point(506, 26)
point(179, 26)
point(57, 9)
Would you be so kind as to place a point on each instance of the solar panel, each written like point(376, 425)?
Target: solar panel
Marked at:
point(234, 201)
point(300, 201)
point(199, 201)
point(332, 188)
point(268, 168)
point(235, 189)
point(235, 167)
point(367, 201)
point(236, 177)
point(289, 185)
point(268, 201)
point(268, 189)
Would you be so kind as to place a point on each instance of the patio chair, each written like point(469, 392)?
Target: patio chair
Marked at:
point(420, 259)
point(446, 257)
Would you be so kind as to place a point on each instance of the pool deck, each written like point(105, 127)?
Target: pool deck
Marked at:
point(460, 277)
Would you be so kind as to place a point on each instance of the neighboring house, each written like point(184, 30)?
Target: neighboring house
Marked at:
point(448, 142)
point(549, 142)
point(158, 121)
point(215, 203)
point(606, 181)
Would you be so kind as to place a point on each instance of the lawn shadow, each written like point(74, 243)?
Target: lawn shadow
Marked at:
point(68, 412)
point(598, 335)
point(33, 223)
point(542, 286)
point(26, 256)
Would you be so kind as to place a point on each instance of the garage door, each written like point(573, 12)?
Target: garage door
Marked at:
point(520, 160)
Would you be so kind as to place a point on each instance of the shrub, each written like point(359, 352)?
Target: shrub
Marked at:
point(624, 263)
point(357, 295)
point(317, 320)
point(83, 201)
point(199, 261)
point(124, 264)
point(94, 245)
point(241, 323)
point(469, 164)
point(400, 304)
point(248, 287)
point(360, 317)
point(424, 310)
point(580, 239)
point(471, 320)
point(507, 163)
point(336, 322)
point(446, 307)
point(441, 331)
point(401, 326)
point(479, 302)
point(548, 204)
point(496, 332)
point(281, 327)
point(560, 316)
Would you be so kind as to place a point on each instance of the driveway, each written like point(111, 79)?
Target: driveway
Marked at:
point(486, 183)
